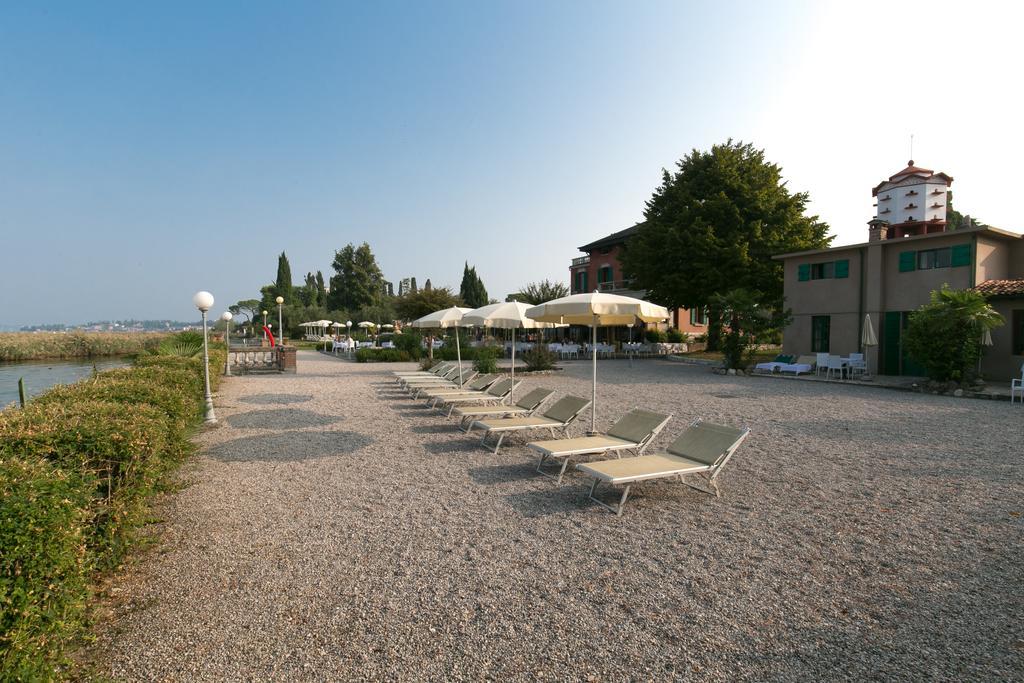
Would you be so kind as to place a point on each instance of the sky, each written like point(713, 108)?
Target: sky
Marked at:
point(150, 150)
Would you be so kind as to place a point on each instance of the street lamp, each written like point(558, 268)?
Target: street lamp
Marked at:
point(264, 326)
point(226, 317)
point(280, 326)
point(204, 302)
point(348, 335)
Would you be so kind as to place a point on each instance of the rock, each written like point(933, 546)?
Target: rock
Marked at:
point(958, 393)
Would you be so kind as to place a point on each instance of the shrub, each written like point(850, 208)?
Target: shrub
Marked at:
point(654, 336)
point(539, 358)
point(29, 345)
point(674, 336)
point(427, 362)
point(124, 448)
point(43, 567)
point(945, 334)
point(485, 359)
point(410, 342)
point(382, 356)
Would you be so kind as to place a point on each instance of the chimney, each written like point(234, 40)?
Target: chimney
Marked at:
point(878, 230)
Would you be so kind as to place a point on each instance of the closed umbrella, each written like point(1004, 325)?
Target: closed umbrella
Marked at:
point(597, 309)
point(510, 315)
point(867, 335)
point(986, 340)
point(447, 317)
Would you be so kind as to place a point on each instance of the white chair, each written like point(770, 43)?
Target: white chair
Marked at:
point(1017, 386)
point(835, 365)
point(821, 364)
point(857, 366)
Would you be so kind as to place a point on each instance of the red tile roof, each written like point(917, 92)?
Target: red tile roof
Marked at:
point(912, 170)
point(1001, 287)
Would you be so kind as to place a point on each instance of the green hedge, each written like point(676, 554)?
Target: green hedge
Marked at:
point(382, 356)
point(77, 468)
point(44, 566)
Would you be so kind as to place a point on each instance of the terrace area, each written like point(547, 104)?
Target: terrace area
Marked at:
point(332, 528)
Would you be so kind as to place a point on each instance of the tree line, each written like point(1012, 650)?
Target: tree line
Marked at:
point(357, 290)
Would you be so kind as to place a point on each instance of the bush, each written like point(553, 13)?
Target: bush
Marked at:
point(29, 345)
point(44, 565)
point(124, 448)
point(674, 336)
point(654, 336)
point(945, 334)
point(486, 359)
point(410, 342)
point(427, 362)
point(372, 355)
point(539, 358)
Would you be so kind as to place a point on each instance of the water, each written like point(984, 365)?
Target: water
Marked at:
point(40, 375)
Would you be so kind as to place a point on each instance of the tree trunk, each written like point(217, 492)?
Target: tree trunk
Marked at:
point(714, 342)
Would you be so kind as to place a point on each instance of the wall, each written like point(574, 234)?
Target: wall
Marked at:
point(998, 364)
point(992, 261)
point(909, 291)
point(838, 298)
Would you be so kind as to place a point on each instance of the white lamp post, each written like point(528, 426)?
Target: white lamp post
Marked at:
point(204, 302)
point(264, 326)
point(280, 326)
point(226, 317)
point(348, 337)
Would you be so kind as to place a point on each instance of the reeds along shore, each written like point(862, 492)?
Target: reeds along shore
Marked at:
point(16, 346)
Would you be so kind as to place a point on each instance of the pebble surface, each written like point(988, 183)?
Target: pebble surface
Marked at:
point(333, 529)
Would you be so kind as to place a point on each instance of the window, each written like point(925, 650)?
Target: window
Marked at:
point(820, 325)
point(581, 281)
point(1017, 341)
point(698, 316)
point(604, 274)
point(934, 258)
point(823, 271)
point(928, 259)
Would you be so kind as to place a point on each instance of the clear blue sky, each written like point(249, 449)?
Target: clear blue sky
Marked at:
point(147, 151)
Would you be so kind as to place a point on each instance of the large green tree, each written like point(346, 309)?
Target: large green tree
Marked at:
point(418, 304)
point(472, 292)
point(283, 284)
point(357, 280)
point(536, 293)
point(713, 226)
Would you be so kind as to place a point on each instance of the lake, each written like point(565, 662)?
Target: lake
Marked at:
point(40, 375)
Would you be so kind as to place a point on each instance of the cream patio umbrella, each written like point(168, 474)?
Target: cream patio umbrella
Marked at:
point(867, 337)
point(510, 315)
point(594, 310)
point(446, 317)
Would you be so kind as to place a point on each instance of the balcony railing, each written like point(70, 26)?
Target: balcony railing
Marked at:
point(581, 261)
point(615, 286)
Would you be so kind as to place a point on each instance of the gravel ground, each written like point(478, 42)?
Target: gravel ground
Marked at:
point(335, 530)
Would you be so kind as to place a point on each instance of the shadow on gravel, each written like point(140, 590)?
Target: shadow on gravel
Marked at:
point(289, 447)
point(502, 474)
point(453, 446)
point(409, 407)
point(435, 429)
point(281, 418)
point(553, 501)
point(271, 399)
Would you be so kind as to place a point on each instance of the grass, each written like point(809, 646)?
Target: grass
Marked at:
point(16, 346)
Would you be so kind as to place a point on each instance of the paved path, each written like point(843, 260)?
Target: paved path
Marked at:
point(334, 530)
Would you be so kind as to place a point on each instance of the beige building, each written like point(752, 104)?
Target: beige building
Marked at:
point(830, 291)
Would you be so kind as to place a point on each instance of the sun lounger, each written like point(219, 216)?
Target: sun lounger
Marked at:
point(497, 392)
point(560, 415)
point(704, 448)
point(435, 371)
point(479, 383)
point(774, 365)
point(633, 431)
point(446, 375)
point(526, 405)
point(802, 364)
point(450, 378)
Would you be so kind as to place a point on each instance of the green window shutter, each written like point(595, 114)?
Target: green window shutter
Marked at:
point(908, 261)
point(843, 268)
point(961, 255)
point(804, 272)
